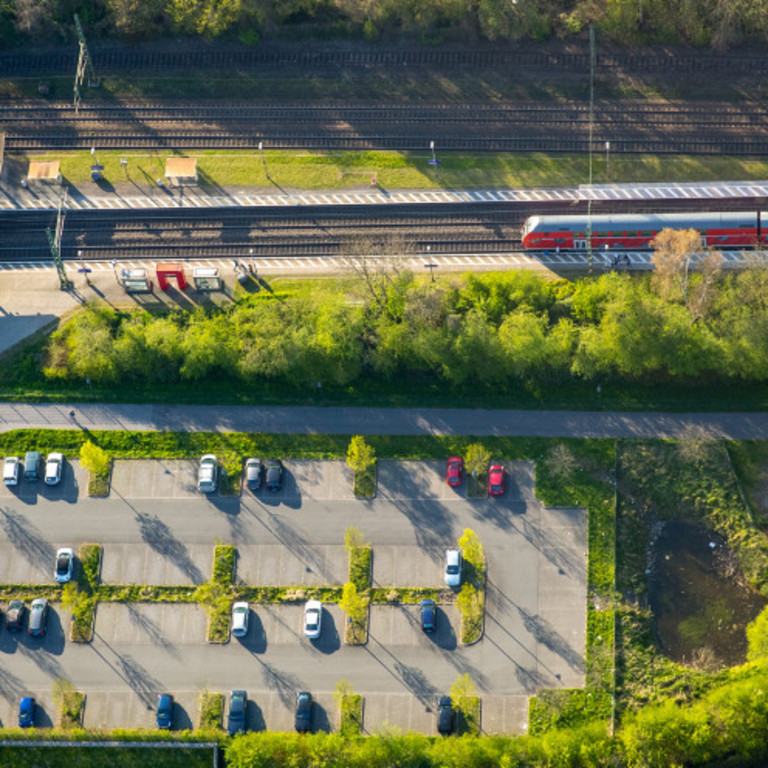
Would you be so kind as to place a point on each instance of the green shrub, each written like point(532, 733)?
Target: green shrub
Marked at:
point(471, 602)
point(211, 710)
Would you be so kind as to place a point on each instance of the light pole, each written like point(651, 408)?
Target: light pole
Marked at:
point(607, 159)
point(263, 159)
point(434, 160)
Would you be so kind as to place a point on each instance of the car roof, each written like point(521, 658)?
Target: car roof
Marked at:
point(452, 555)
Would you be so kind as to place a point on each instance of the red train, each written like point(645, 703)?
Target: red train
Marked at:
point(635, 231)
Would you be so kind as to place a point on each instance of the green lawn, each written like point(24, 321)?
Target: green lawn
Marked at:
point(98, 757)
point(403, 170)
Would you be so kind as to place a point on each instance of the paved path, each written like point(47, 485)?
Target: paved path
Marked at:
point(380, 421)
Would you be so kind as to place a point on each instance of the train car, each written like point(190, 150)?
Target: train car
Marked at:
point(634, 231)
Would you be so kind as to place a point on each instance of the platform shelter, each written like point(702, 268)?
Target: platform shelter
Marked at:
point(44, 172)
point(181, 171)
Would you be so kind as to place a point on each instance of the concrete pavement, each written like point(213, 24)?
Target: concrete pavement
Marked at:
point(336, 420)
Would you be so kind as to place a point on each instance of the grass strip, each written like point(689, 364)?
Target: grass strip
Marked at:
point(70, 710)
point(99, 482)
point(211, 710)
point(365, 483)
point(146, 593)
point(471, 602)
point(360, 561)
point(350, 714)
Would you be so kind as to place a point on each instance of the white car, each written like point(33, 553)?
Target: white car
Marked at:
point(452, 567)
point(11, 470)
point(240, 619)
point(208, 474)
point(313, 617)
point(65, 564)
point(53, 466)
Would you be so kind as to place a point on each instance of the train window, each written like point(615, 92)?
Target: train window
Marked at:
point(559, 239)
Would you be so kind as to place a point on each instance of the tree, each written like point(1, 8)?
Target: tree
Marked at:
point(353, 539)
point(353, 603)
point(477, 459)
point(472, 550)
point(94, 459)
point(343, 688)
point(360, 456)
point(560, 462)
point(463, 694)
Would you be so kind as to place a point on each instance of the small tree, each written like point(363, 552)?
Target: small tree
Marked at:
point(472, 550)
point(343, 688)
point(560, 462)
point(477, 459)
point(94, 459)
point(353, 603)
point(353, 539)
point(360, 455)
point(463, 694)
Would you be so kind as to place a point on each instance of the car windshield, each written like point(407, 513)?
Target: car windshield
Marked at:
point(62, 564)
point(452, 569)
point(240, 610)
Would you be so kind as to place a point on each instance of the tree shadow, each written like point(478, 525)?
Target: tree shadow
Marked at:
point(160, 538)
point(140, 681)
point(151, 628)
point(28, 540)
point(284, 684)
point(545, 633)
point(11, 687)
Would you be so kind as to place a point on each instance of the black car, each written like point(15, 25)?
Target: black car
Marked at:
point(15, 616)
point(164, 717)
point(303, 711)
point(274, 475)
point(428, 615)
point(254, 472)
point(445, 716)
point(236, 719)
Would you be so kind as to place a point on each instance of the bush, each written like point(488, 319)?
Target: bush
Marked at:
point(471, 603)
point(211, 710)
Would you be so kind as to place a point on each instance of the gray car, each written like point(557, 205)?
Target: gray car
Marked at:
point(38, 614)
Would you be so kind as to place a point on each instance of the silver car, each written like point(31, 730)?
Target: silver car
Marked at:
point(240, 619)
point(11, 470)
point(38, 613)
point(208, 474)
point(53, 466)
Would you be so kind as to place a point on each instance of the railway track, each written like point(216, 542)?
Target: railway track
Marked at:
point(277, 57)
point(296, 233)
point(631, 128)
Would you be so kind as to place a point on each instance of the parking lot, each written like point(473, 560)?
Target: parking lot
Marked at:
point(156, 529)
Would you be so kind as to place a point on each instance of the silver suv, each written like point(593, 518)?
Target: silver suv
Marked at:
point(208, 474)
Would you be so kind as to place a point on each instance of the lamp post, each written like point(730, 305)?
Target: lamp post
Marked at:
point(430, 267)
point(607, 159)
point(263, 158)
point(434, 160)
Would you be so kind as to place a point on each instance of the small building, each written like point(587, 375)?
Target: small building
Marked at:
point(181, 171)
point(44, 172)
point(206, 279)
point(136, 281)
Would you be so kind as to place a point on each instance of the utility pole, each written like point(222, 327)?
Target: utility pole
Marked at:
point(54, 241)
point(591, 133)
point(84, 65)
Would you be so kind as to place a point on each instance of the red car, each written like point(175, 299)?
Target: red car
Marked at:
point(455, 473)
point(496, 480)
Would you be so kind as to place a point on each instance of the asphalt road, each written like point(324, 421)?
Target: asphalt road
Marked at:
point(381, 421)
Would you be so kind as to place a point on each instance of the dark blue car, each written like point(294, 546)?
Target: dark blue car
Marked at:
point(27, 712)
point(428, 615)
point(164, 711)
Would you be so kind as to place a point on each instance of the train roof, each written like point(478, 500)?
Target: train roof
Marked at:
point(643, 221)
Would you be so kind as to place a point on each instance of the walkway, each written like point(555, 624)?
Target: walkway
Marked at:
point(381, 421)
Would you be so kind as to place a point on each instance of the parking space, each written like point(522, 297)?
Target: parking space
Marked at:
point(397, 625)
point(165, 625)
point(164, 560)
point(275, 711)
point(73, 484)
point(273, 626)
point(296, 562)
point(316, 480)
point(398, 566)
point(105, 710)
point(404, 480)
point(158, 479)
point(27, 558)
point(9, 706)
point(402, 710)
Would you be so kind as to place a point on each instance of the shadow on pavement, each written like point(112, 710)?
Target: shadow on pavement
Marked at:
point(256, 639)
point(329, 640)
point(28, 540)
point(160, 537)
point(254, 717)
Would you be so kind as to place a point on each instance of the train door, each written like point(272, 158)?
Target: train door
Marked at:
point(579, 244)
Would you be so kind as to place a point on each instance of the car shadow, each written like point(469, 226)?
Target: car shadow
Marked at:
point(319, 720)
point(444, 635)
point(254, 717)
point(42, 718)
point(181, 718)
point(67, 489)
point(255, 640)
point(329, 640)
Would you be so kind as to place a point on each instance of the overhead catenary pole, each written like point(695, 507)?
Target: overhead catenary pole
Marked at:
point(54, 241)
point(84, 64)
point(591, 133)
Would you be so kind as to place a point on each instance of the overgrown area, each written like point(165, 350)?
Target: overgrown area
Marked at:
point(432, 21)
point(513, 338)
